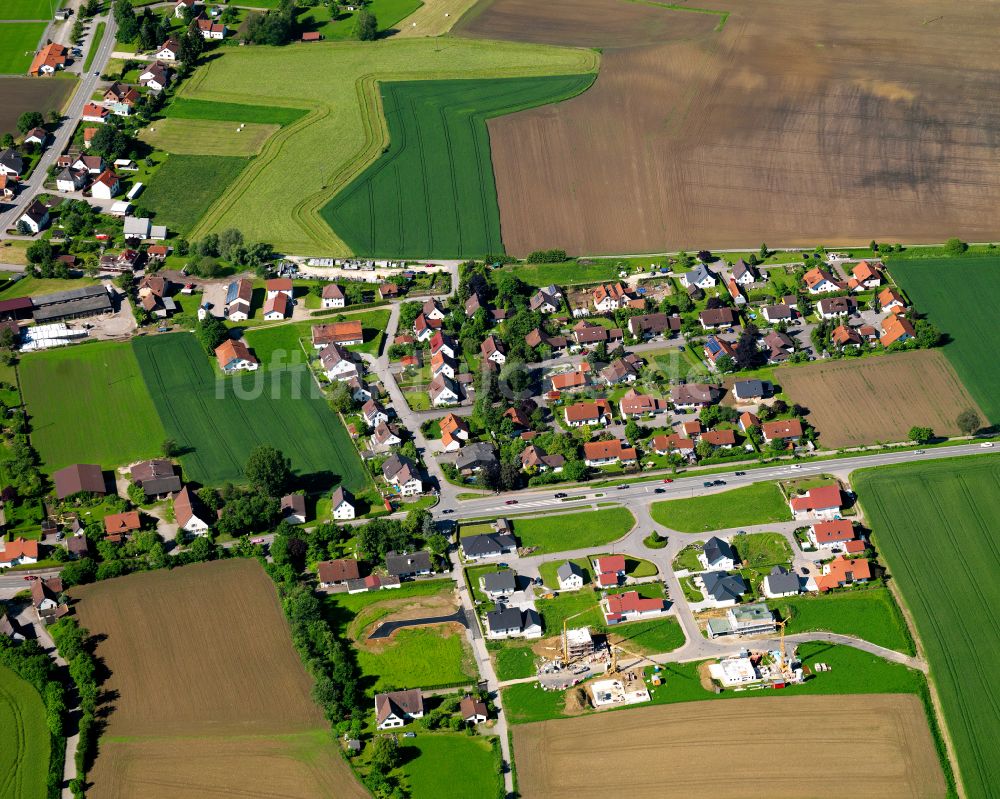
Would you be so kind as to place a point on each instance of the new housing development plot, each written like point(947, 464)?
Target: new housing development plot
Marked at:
point(783, 126)
point(859, 401)
point(218, 424)
point(676, 750)
point(936, 526)
point(216, 703)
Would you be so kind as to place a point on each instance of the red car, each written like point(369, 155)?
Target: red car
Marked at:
point(510, 502)
point(668, 479)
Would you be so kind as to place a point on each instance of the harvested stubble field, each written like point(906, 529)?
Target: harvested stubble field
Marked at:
point(439, 150)
point(973, 336)
point(218, 420)
point(673, 751)
point(22, 94)
point(210, 696)
point(346, 125)
point(207, 136)
point(888, 394)
point(790, 124)
point(936, 526)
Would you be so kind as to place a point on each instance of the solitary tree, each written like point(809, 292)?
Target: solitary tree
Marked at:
point(968, 421)
point(268, 470)
point(921, 435)
point(366, 26)
point(29, 120)
point(169, 447)
point(955, 246)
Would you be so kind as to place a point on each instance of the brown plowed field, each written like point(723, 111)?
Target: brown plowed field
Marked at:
point(203, 652)
point(800, 123)
point(794, 747)
point(862, 401)
point(30, 94)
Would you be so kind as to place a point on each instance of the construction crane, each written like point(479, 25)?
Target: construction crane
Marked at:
point(783, 665)
point(615, 648)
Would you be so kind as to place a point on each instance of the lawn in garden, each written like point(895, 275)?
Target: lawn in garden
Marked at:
point(218, 420)
point(18, 42)
point(439, 149)
point(185, 186)
point(972, 337)
point(758, 503)
point(867, 613)
point(346, 127)
point(563, 531)
point(89, 404)
point(284, 343)
point(936, 525)
point(513, 661)
point(432, 762)
point(424, 657)
point(24, 739)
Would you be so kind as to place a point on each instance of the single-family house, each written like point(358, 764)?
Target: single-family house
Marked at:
point(373, 413)
point(844, 336)
point(239, 295)
point(896, 329)
point(45, 595)
point(780, 582)
point(210, 29)
point(184, 6)
point(819, 281)
point(720, 439)
point(443, 391)
point(778, 313)
point(534, 458)
point(35, 217)
point(694, 395)
point(279, 285)
point(343, 506)
point(277, 307)
point(119, 525)
point(717, 554)
point(609, 570)
point(634, 405)
point(493, 350)
point(605, 453)
point(647, 326)
point(608, 298)
point(233, 356)
point(513, 623)
point(475, 457)
point(714, 318)
point(747, 390)
point(665, 445)
point(105, 185)
point(189, 514)
point(590, 412)
point(12, 163)
point(748, 420)
point(822, 502)
point(337, 572)
point(622, 608)
point(398, 708)
point(444, 344)
point(333, 296)
point(834, 307)
point(433, 311)
point(408, 564)
point(831, 534)
point(585, 333)
point(498, 584)
point(723, 588)
point(443, 364)
point(571, 381)
point(864, 276)
point(621, 370)
point(736, 292)
point(92, 112)
point(169, 51)
point(700, 277)
point(487, 545)
point(545, 302)
point(293, 508)
point(38, 136)
point(778, 345)
point(744, 274)
point(570, 576)
point(889, 298)
point(402, 473)
point(842, 571)
point(473, 710)
point(715, 348)
point(337, 363)
point(155, 77)
point(787, 431)
point(157, 478)
point(754, 619)
point(385, 437)
point(18, 552)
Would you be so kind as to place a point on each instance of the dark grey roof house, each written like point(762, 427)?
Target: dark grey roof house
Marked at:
point(487, 545)
point(408, 564)
point(473, 457)
point(501, 583)
point(723, 587)
point(717, 550)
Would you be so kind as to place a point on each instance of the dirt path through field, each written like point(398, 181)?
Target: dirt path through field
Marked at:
point(876, 746)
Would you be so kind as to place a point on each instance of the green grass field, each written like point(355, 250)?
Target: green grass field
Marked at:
point(852, 671)
point(974, 337)
point(24, 739)
point(758, 503)
point(279, 344)
point(95, 43)
point(439, 150)
point(207, 137)
point(432, 770)
point(871, 614)
point(424, 658)
point(28, 9)
point(218, 421)
point(936, 527)
point(347, 126)
point(89, 404)
point(32, 286)
point(185, 187)
point(18, 41)
point(387, 12)
point(564, 531)
point(514, 661)
point(565, 274)
point(187, 108)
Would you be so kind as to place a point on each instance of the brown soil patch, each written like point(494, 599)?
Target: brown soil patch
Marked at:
point(30, 94)
point(674, 750)
point(795, 125)
point(581, 23)
point(204, 652)
point(862, 401)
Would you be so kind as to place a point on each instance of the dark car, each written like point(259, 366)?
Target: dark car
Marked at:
point(708, 484)
point(659, 490)
point(622, 487)
point(560, 495)
point(718, 482)
point(510, 502)
point(448, 510)
point(740, 474)
point(805, 570)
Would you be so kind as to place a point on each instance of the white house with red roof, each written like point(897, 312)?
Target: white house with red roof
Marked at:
point(822, 502)
point(610, 570)
point(831, 534)
point(621, 608)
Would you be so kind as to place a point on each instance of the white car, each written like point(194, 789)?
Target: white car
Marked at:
point(986, 444)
